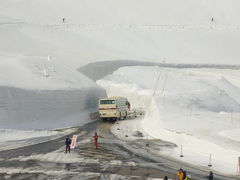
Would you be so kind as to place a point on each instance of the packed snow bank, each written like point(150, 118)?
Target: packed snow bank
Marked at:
point(42, 93)
point(98, 70)
point(196, 108)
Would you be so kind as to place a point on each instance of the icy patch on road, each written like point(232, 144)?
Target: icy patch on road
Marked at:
point(10, 171)
point(58, 156)
point(115, 162)
point(129, 130)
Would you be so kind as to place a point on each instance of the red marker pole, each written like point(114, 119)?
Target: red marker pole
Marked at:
point(238, 169)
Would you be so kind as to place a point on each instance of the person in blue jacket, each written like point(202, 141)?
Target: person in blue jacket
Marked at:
point(210, 176)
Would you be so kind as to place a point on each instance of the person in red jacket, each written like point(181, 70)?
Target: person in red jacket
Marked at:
point(95, 137)
point(129, 105)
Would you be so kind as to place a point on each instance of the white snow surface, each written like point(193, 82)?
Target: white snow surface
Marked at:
point(196, 108)
point(40, 73)
point(157, 30)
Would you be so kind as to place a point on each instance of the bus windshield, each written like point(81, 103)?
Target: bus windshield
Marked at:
point(107, 101)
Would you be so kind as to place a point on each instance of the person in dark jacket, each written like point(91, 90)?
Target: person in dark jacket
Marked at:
point(165, 178)
point(210, 176)
point(184, 174)
point(68, 142)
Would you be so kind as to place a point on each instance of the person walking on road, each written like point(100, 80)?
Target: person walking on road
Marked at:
point(95, 137)
point(188, 177)
point(184, 174)
point(180, 174)
point(68, 142)
point(210, 176)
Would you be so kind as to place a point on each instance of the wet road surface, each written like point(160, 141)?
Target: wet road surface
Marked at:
point(115, 159)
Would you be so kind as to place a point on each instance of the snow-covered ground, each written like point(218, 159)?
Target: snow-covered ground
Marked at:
point(196, 108)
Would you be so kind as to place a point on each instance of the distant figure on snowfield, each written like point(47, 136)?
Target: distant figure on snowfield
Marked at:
point(95, 137)
point(210, 176)
point(63, 20)
point(68, 142)
point(212, 19)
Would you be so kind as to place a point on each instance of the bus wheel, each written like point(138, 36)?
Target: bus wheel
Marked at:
point(125, 116)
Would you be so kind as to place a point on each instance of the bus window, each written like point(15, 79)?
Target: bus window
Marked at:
point(107, 101)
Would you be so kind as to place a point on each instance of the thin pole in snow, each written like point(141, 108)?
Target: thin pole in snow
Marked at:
point(163, 89)
point(49, 58)
point(181, 155)
point(190, 115)
point(126, 132)
point(156, 84)
point(210, 161)
point(238, 165)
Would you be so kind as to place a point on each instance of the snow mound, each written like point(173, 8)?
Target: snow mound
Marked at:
point(40, 73)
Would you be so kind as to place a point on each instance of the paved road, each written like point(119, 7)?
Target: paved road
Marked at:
point(114, 160)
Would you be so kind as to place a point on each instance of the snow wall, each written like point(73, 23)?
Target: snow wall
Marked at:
point(100, 69)
point(195, 108)
point(45, 109)
point(43, 93)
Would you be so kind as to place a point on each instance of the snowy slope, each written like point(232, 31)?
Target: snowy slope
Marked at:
point(123, 11)
point(40, 73)
point(196, 108)
point(155, 30)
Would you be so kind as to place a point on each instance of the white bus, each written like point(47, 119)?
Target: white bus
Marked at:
point(113, 108)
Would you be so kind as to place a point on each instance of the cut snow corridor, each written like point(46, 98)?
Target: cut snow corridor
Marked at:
point(196, 109)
